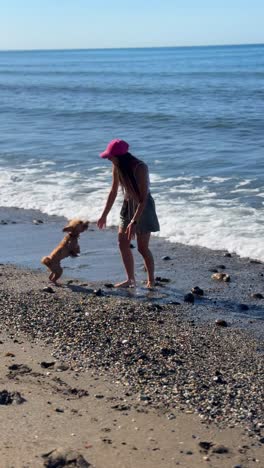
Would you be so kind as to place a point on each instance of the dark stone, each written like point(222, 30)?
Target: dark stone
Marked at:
point(8, 398)
point(166, 352)
point(19, 369)
point(162, 280)
point(219, 379)
point(59, 458)
point(257, 296)
point(37, 221)
point(220, 449)
point(166, 257)
point(132, 246)
point(205, 445)
point(109, 285)
point(221, 266)
point(120, 407)
point(155, 307)
point(48, 289)
point(243, 307)
point(228, 255)
point(261, 440)
point(46, 365)
point(98, 292)
point(198, 291)
point(221, 323)
point(189, 298)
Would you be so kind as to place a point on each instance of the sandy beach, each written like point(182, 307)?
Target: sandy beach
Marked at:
point(113, 380)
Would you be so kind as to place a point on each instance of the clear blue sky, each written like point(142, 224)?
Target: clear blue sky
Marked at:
point(56, 24)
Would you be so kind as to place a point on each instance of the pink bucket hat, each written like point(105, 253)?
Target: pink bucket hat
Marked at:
point(115, 148)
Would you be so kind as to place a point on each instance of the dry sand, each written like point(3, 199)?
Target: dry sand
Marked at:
point(54, 417)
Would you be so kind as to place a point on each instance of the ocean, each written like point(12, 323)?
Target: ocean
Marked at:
point(195, 115)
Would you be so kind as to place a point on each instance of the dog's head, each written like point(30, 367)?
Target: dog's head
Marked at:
point(76, 227)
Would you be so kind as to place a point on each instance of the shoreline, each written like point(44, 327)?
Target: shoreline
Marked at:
point(29, 235)
point(162, 368)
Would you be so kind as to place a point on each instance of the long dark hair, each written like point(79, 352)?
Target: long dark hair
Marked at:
point(125, 167)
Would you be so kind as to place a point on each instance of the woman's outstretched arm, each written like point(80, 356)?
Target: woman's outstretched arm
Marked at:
point(101, 223)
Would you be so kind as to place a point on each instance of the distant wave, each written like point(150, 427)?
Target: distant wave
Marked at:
point(153, 89)
point(148, 118)
point(68, 72)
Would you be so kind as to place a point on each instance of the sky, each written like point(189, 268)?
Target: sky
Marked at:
point(71, 24)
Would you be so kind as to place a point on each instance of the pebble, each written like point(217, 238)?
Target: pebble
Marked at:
point(98, 292)
point(46, 364)
point(204, 445)
point(144, 397)
point(63, 457)
point(48, 289)
point(243, 307)
point(61, 366)
point(37, 221)
point(221, 277)
point(257, 296)
point(198, 291)
point(166, 257)
point(220, 449)
point(189, 298)
point(9, 398)
point(221, 323)
point(162, 280)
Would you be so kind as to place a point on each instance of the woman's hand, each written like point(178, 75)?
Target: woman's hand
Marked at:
point(101, 223)
point(131, 231)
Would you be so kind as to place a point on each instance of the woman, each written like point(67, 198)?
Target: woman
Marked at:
point(138, 216)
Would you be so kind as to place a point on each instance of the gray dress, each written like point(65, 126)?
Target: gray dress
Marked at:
point(148, 221)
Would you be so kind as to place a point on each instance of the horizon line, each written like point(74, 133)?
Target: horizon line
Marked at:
point(133, 47)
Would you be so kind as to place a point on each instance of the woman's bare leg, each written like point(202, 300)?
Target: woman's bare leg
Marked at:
point(128, 260)
point(143, 248)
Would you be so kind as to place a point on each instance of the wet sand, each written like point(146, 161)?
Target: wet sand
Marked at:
point(28, 235)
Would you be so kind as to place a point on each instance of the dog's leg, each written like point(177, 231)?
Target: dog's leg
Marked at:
point(56, 275)
point(51, 276)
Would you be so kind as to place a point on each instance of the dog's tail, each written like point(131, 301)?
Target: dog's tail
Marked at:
point(46, 261)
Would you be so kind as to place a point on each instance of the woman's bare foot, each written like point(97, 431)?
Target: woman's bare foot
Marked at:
point(126, 284)
point(150, 285)
point(55, 283)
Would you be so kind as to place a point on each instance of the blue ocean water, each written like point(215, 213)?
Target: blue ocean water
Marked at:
point(195, 115)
